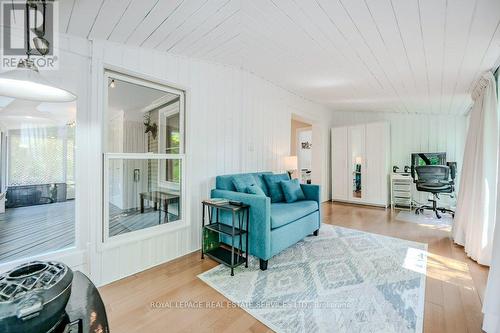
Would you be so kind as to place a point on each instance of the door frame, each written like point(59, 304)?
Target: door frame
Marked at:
point(300, 130)
point(318, 175)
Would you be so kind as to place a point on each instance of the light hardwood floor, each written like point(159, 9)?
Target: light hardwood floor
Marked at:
point(454, 287)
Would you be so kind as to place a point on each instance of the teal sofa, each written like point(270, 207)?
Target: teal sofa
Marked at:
point(273, 226)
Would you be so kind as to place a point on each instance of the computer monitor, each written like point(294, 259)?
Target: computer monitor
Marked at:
point(428, 159)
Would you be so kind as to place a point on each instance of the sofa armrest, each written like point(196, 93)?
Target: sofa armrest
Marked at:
point(312, 192)
point(260, 220)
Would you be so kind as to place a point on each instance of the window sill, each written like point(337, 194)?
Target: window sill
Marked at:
point(139, 235)
point(71, 256)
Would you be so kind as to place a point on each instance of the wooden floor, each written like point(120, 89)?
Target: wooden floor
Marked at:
point(145, 302)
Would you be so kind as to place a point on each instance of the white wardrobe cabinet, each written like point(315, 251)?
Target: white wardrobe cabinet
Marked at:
point(361, 163)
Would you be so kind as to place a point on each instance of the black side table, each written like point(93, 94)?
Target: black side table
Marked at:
point(226, 254)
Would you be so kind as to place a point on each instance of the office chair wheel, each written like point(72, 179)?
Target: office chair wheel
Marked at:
point(417, 212)
point(437, 215)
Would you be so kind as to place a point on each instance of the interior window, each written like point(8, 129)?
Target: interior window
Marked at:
point(144, 155)
point(170, 141)
point(173, 134)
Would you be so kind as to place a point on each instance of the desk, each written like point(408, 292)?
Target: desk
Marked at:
point(160, 197)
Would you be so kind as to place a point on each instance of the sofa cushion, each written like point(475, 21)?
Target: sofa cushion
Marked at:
point(259, 180)
point(241, 182)
point(274, 186)
point(255, 189)
point(283, 213)
point(292, 190)
point(225, 182)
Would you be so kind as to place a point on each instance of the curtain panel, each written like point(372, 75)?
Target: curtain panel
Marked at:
point(476, 207)
point(491, 306)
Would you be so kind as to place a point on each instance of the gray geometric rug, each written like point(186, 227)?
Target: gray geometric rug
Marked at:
point(427, 218)
point(343, 280)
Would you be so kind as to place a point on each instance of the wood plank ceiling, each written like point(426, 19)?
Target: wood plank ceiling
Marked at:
point(415, 56)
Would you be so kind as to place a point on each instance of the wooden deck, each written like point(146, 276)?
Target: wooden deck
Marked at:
point(28, 231)
point(34, 230)
point(123, 221)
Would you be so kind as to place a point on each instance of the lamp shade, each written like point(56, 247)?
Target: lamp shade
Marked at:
point(290, 162)
point(27, 83)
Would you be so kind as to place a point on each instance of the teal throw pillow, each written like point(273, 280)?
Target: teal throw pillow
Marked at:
point(241, 182)
point(292, 190)
point(259, 180)
point(274, 187)
point(255, 189)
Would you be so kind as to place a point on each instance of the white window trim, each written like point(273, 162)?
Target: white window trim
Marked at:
point(115, 74)
point(150, 231)
point(167, 114)
point(107, 242)
point(161, 148)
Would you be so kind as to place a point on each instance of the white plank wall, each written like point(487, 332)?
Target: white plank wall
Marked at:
point(415, 133)
point(236, 122)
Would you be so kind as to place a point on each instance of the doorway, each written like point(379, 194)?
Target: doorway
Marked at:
point(37, 179)
point(301, 145)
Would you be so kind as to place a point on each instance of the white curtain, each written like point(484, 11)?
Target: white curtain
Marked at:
point(476, 207)
point(491, 306)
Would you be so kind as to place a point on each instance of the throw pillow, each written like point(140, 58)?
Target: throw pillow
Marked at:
point(241, 182)
point(274, 187)
point(254, 189)
point(259, 180)
point(292, 190)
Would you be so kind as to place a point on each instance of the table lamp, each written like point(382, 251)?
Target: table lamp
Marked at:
point(290, 164)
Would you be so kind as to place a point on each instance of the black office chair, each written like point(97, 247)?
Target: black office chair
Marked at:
point(435, 179)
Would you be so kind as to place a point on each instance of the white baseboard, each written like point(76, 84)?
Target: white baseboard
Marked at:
point(364, 203)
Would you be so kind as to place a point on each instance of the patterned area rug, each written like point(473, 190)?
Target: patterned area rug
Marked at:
point(340, 281)
point(427, 218)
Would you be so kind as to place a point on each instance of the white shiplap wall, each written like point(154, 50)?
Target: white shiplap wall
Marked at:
point(236, 122)
point(415, 133)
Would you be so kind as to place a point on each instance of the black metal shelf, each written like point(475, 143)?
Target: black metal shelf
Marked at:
point(223, 256)
point(211, 234)
point(228, 206)
point(225, 229)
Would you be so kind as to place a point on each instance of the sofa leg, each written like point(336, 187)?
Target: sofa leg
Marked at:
point(263, 264)
point(316, 233)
